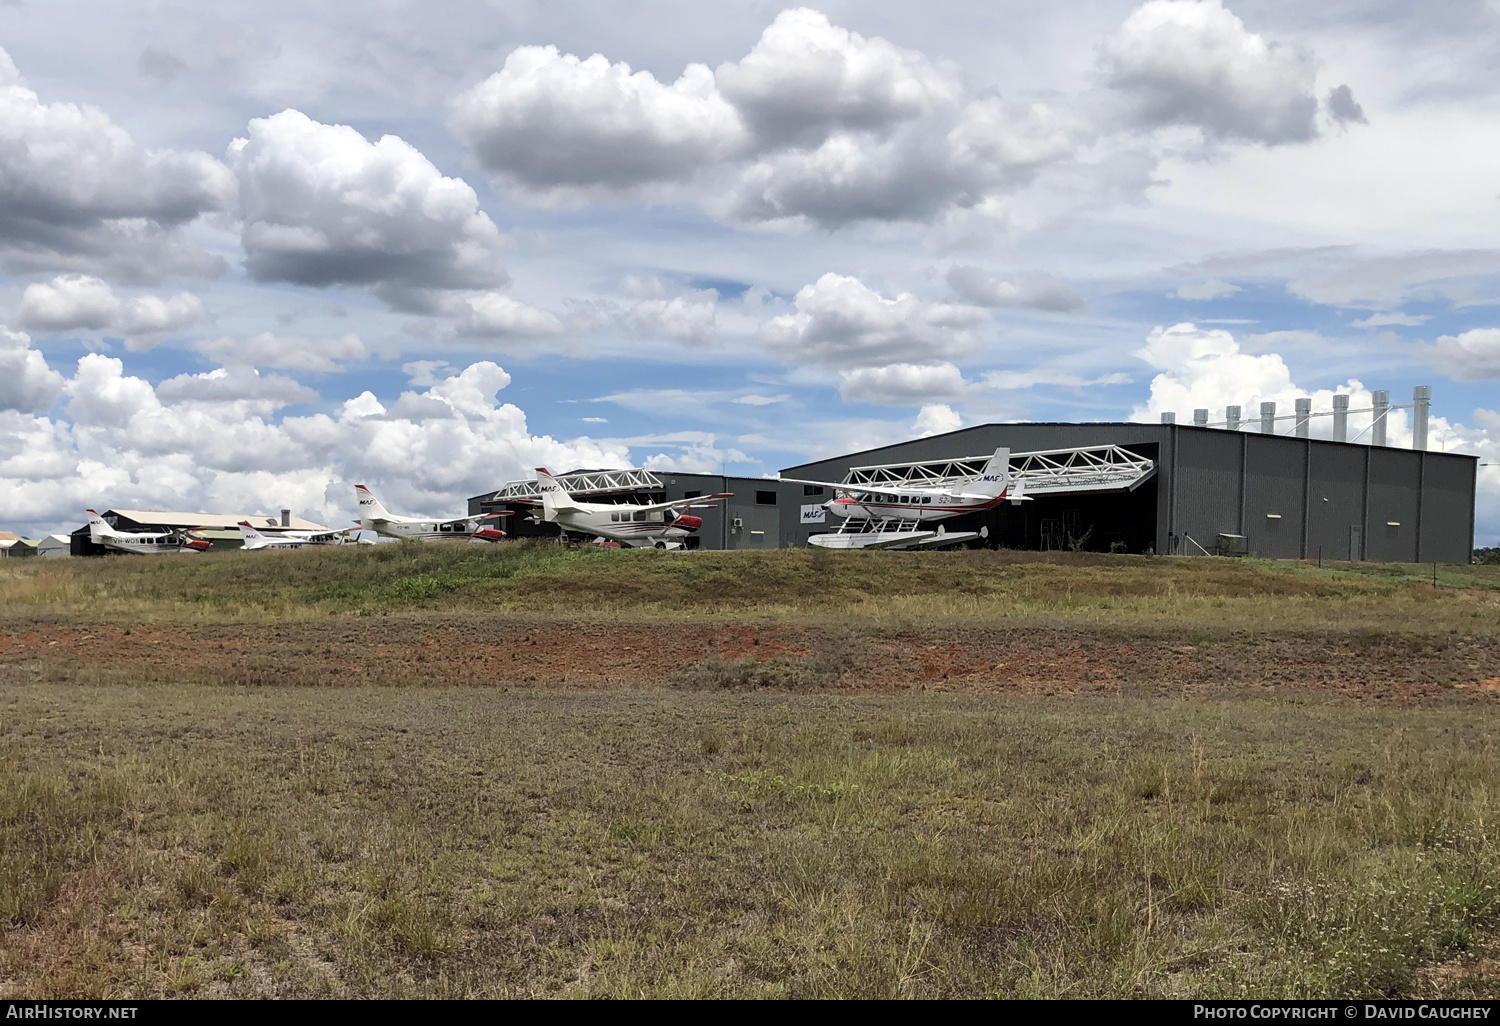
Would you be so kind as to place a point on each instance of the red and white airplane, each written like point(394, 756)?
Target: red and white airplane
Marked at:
point(254, 540)
point(375, 517)
point(657, 525)
point(142, 543)
point(891, 515)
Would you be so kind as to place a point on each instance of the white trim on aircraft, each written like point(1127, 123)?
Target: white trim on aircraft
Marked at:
point(375, 517)
point(890, 516)
point(657, 525)
point(142, 543)
point(254, 540)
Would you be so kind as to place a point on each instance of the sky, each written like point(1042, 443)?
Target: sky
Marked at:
point(253, 255)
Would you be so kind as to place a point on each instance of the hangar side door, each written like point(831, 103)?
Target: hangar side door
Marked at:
point(754, 527)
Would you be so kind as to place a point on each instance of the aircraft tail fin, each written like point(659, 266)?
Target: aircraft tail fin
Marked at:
point(555, 497)
point(994, 479)
point(370, 508)
point(252, 538)
point(98, 528)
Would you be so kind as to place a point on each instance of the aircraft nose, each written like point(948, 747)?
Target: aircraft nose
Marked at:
point(692, 523)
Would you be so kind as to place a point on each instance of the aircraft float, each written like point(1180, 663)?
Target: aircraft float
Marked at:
point(893, 516)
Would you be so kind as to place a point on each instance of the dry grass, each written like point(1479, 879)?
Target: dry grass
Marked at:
point(736, 823)
point(943, 586)
point(175, 840)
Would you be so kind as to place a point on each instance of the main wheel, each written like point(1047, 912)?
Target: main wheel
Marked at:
point(661, 544)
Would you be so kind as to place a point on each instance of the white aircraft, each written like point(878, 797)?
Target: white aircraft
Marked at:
point(891, 516)
point(375, 517)
point(254, 540)
point(143, 543)
point(629, 524)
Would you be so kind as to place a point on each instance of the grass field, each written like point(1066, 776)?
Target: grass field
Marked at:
point(516, 577)
point(750, 824)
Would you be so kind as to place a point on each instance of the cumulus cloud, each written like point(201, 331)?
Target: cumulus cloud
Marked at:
point(1473, 355)
point(902, 384)
point(687, 318)
point(215, 441)
point(1212, 288)
point(936, 420)
point(79, 302)
point(238, 384)
point(820, 125)
point(551, 120)
point(1200, 368)
point(495, 315)
point(1031, 290)
point(27, 384)
point(841, 322)
point(286, 352)
point(77, 193)
point(1195, 63)
point(806, 78)
point(322, 205)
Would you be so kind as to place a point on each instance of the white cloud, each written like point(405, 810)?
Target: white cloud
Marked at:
point(936, 420)
point(242, 385)
point(1194, 63)
point(80, 302)
point(841, 322)
point(209, 441)
point(1030, 290)
point(1396, 319)
point(554, 121)
point(1473, 355)
point(902, 384)
point(760, 400)
point(697, 453)
point(806, 79)
point(495, 315)
point(819, 125)
point(27, 384)
point(1200, 369)
point(1013, 380)
point(287, 352)
point(1212, 288)
point(77, 193)
point(321, 205)
point(688, 318)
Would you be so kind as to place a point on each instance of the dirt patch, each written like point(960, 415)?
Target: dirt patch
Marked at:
point(471, 649)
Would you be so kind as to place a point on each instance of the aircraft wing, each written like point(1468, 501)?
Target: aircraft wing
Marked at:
point(696, 500)
point(866, 489)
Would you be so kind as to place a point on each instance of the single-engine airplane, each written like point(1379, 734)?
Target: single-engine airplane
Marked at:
point(893, 516)
point(375, 517)
point(142, 543)
point(632, 525)
point(254, 540)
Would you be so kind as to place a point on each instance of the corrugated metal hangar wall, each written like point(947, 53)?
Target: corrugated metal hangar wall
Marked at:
point(1284, 497)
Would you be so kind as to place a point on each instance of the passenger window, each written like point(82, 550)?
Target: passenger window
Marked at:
point(640, 518)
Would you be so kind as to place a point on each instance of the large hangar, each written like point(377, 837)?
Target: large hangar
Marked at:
point(1216, 490)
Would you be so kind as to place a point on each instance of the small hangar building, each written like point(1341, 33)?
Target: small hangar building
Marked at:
point(1212, 491)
